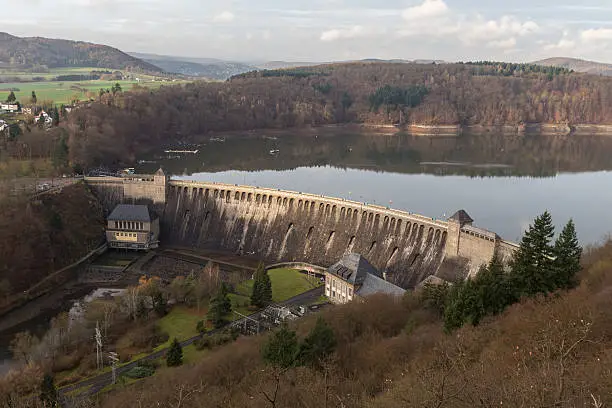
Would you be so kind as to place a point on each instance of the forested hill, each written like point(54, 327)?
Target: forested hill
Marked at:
point(29, 52)
point(578, 65)
point(374, 93)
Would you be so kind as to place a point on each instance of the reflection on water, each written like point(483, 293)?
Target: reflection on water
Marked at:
point(502, 181)
point(484, 155)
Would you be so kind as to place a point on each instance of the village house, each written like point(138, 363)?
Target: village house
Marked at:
point(26, 111)
point(132, 227)
point(9, 107)
point(46, 117)
point(354, 277)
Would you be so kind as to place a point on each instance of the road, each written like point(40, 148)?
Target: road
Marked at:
point(100, 381)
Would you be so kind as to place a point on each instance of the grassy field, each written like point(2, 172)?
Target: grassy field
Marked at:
point(54, 72)
point(10, 168)
point(65, 92)
point(181, 323)
point(286, 283)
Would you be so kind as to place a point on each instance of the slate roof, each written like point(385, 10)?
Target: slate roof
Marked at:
point(128, 212)
point(353, 268)
point(461, 217)
point(373, 284)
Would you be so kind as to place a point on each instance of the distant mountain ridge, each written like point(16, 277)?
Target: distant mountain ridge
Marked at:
point(28, 52)
point(578, 65)
point(214, 68)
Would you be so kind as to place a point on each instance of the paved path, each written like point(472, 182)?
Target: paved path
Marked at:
point(98, 382)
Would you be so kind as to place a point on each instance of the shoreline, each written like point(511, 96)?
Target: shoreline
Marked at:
point(547, 129)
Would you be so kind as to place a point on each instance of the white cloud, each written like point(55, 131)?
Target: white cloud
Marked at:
point(433, 19)
point(597, 34)
point(343, 33)
point(224, 17)
point(425, 10)
point(503, 44)
point(565, 44)
point(479, 29)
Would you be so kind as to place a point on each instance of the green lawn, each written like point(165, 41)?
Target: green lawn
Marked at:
point(191, 354)
point(240, 304)
point(286, 283)
point(181, 323)
point(65, 92)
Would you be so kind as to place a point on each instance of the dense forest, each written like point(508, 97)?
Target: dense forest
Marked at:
point(31, 52)
point(373, 93)
point(40, 236)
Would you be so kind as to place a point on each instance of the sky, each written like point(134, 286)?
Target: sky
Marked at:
point(326, 30)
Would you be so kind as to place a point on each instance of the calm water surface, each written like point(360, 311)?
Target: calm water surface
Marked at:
point(503, 182)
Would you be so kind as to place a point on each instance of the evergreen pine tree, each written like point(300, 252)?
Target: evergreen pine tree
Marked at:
point(494, 288)
point(224, 300)
point(454, 315)
point(33, 99)
point(319, 344)
point(220, 306)
point(11, 97)
point(48, 392)
point(266, 288)
point(532, 267)
point(174, 356)
point(282, 348)
point(215, 313)
point(258, 295)
point(56, 117)
point(567, 257)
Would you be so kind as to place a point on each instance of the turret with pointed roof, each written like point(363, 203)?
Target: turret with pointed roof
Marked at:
point(461, 217)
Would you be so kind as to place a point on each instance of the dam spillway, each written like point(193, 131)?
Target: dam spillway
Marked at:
point(285, 226)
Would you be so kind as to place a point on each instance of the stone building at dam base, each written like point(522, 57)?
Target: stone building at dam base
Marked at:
point(286, 226)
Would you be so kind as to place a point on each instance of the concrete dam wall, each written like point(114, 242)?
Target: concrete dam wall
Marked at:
point(284, 226)
point(287, 226)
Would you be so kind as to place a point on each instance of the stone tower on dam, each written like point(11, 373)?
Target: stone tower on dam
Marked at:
point(280, 225)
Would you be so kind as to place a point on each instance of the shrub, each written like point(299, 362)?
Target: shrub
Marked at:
point(174, 356)
point(201, 327)
point(140, 371)
point(218, 339)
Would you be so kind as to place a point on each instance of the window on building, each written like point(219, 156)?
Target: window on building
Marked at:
point(350, 292)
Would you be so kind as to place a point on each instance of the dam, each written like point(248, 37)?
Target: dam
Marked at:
point(287, 226)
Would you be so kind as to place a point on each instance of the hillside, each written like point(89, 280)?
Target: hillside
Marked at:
point(553, 351)
point(578, 65)
point(209, 68)
point(219, 71)
point(365, 93)
point(33, 52)
point(41, 236)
